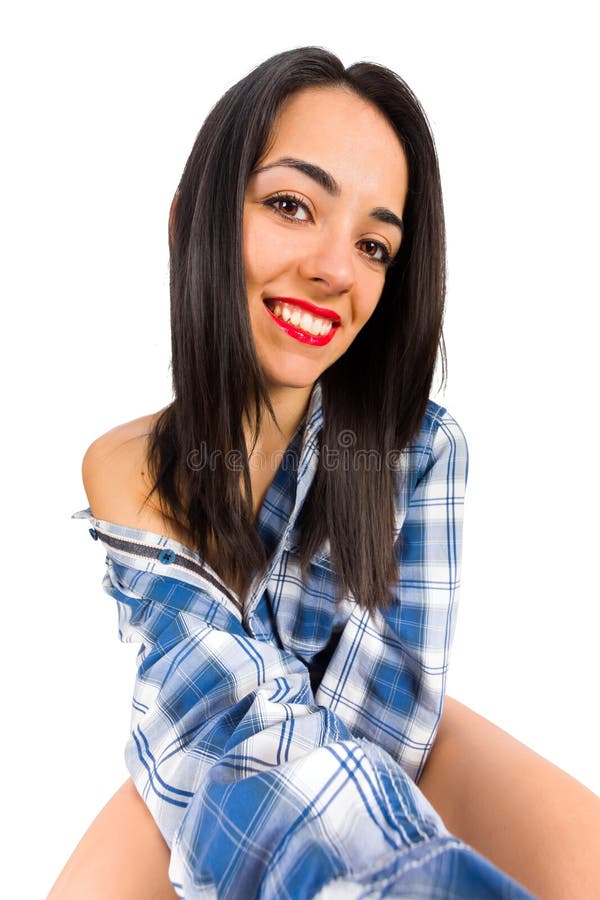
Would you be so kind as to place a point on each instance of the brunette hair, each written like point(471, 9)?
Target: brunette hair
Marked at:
point(379, 388)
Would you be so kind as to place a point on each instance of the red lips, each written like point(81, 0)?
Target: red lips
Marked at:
point(314, 340)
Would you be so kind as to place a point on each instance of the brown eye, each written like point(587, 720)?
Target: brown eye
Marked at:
point(289, 207)
point(376, 251)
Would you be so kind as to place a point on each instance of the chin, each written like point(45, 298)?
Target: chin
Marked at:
point(293, 376)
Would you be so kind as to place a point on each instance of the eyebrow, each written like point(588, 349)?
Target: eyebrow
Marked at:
point(328, 183)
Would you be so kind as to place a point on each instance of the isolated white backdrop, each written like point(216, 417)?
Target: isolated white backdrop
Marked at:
point(103, 104)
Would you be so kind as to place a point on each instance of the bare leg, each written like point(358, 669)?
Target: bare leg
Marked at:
point(527, 816)
point(122, 856)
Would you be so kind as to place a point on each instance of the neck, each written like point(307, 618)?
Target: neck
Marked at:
point(289, 406)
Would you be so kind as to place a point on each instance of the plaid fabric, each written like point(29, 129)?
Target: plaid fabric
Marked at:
point(277, 745)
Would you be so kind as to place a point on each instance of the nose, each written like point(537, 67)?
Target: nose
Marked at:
point(329, 262)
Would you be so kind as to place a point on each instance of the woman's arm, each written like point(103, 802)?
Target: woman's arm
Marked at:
point(527, 816)
point(244, 774)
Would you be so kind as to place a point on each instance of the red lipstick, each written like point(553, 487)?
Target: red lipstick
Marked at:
point(314, 340)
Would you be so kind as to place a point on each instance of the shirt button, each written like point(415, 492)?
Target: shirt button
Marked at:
point(166, 556)
point(94, 533)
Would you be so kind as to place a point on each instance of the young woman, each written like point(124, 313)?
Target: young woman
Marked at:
point(284, 538)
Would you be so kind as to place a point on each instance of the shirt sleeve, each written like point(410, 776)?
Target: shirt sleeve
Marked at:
point(206, 692)
point(249, 780)
point(386, 679)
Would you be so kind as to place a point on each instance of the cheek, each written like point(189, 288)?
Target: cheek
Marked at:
point(249, 253)
point(254, 262)
point(368, 297)
point(266, 252)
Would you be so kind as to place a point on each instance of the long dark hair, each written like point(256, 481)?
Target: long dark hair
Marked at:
point(378, 390)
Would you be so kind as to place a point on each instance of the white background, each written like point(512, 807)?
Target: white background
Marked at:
point(102, 103)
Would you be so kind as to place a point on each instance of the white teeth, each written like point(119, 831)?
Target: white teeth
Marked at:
point(302, 319)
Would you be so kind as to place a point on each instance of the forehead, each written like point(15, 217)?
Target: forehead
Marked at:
point(349, 137)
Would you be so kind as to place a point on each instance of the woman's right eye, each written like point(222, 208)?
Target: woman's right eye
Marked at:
point(289, 207)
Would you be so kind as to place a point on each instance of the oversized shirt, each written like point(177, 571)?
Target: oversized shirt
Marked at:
point(277, 742)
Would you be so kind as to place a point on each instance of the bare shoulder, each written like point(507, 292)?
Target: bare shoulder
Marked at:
point(115, 475)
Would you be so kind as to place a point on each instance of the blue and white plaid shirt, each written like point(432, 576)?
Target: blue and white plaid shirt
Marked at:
point(277, 743)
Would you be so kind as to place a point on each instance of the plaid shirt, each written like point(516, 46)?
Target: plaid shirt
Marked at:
point(273, 742)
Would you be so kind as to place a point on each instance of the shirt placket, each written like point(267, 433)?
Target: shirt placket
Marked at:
point(254, 619)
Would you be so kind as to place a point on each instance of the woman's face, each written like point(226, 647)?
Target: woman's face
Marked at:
point(322, 219)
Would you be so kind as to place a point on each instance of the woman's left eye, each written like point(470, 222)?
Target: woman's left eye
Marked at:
point(376, 251)
point(289, 207)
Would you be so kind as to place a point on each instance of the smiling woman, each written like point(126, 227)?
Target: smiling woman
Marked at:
point(294, 597)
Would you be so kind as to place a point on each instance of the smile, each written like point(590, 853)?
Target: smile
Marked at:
point(301, 320)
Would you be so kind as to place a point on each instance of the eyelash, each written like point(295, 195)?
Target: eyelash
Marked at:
point(272, 202)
